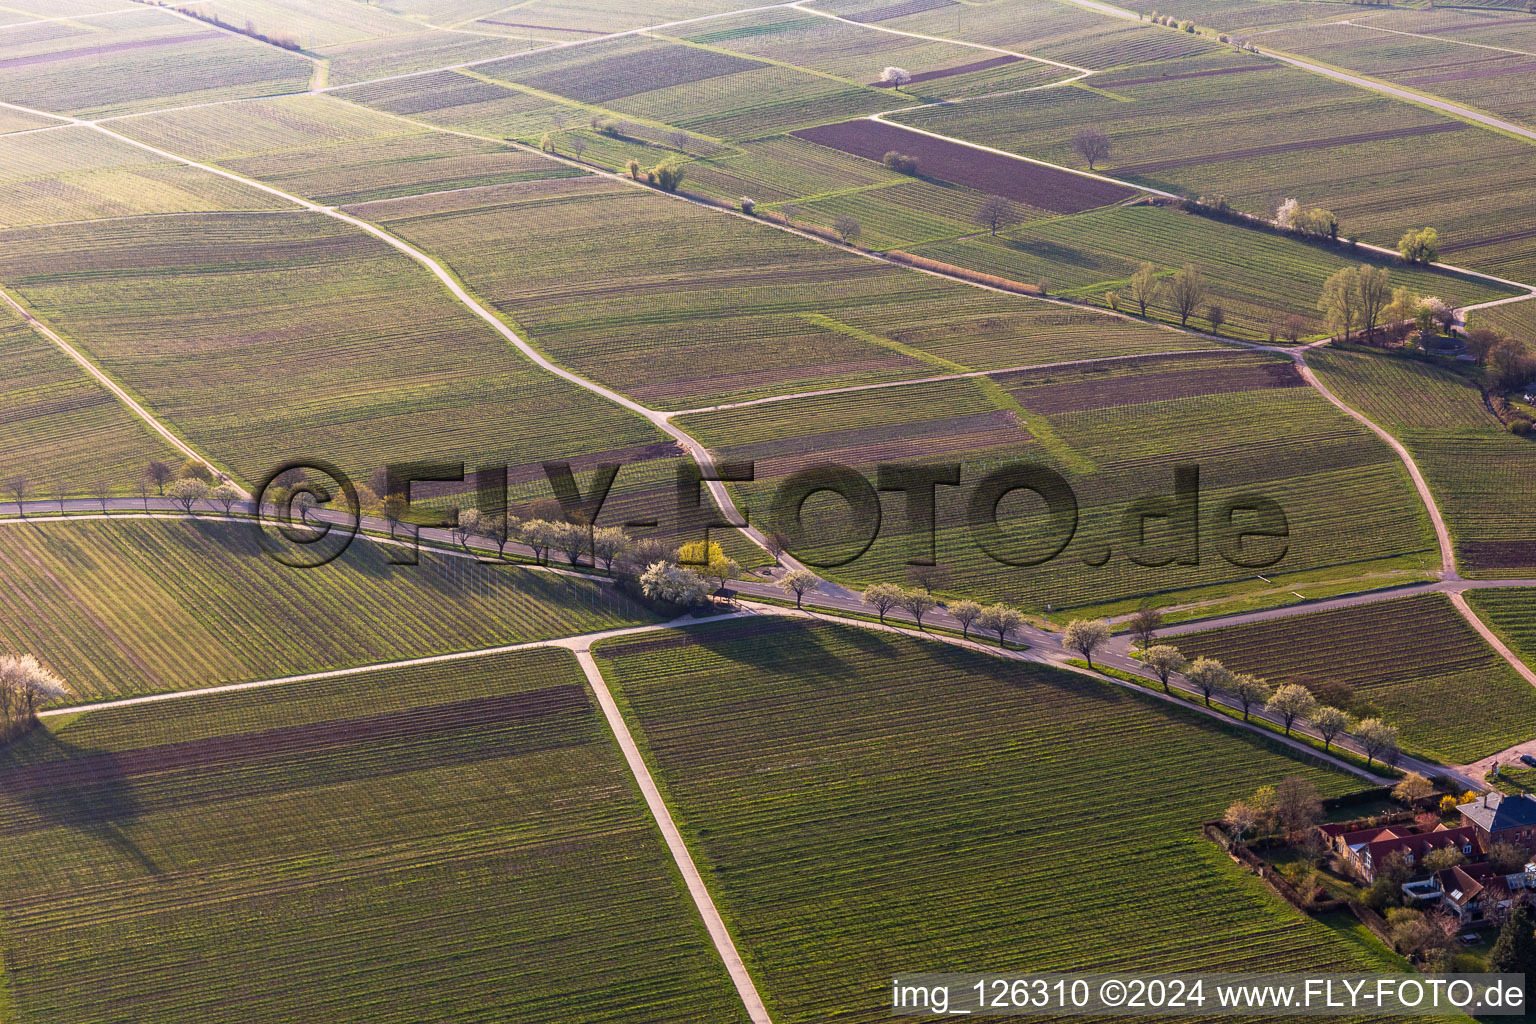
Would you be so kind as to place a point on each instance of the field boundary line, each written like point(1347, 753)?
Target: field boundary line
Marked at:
point(713, 922)
point(75, 17)
point(178, 13)
point(98, 375)
point(562, 45)
point(353, 670)
point(968, 374)
point(1435, 38)
point(881, 118)
point(799, 5)
point(1356, 79)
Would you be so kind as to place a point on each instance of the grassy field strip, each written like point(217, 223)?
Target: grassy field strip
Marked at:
point(800, 6)
point(433, 659)
point(718, 933)
point(935, 380)
point(107, 382)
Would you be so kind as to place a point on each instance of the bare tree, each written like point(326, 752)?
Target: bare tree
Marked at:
point(159, 474)
point(1093, 145)
point(18, 485)
point(103, 492)
point(996, 212)
point(847, 227)
point(578, 145)
point(1186, 291)
point(1144, 623)
point(1215, 316)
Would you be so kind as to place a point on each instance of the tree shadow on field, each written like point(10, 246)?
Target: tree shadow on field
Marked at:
point(83, 790)
point(1054, 252)
point(63, 548)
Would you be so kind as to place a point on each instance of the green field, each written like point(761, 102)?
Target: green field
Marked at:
point(1268, 132)
point(680, 306)
point(1512, 615)
point(452, 843)
point(1063, 32)
point(323, 342)
point(870, 805)
point(140, 60)
point(1517, 319)
point(334, 152)
point(1483, 478)
point(74, 173)
point(136, 607)
point(1449, 55)
point(1257, 278)
point(1415, 662)
point(60, 429)
point(1115, 431)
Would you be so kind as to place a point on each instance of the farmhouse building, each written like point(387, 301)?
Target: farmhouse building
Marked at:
point(1502, 819)
point(1471, 891)
point(1367, 849)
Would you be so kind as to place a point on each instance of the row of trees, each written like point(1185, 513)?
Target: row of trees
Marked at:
point(1290, 704)
point(1186, 291)
point(1506, 362)
point(25, 685)
point(1307, 221)
point(191, 483)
